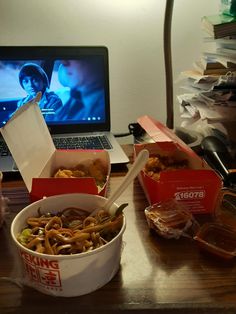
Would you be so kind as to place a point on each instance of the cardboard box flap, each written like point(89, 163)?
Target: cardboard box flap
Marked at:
point(29, 141)
point(160, 133)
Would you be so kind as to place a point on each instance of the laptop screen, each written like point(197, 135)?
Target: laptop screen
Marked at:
point(73, 83)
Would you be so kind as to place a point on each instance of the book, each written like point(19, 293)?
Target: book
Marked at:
point(225, 42)
point(215, 71)
point(207, 66)
point(226, 52)
point(223, 58)
point(197, 77)
point(219, 25)
point(208, 63)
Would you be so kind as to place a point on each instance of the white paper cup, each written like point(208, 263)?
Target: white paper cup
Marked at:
point(67, 275)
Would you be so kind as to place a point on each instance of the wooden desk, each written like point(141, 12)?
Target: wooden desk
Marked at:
point(156, 275)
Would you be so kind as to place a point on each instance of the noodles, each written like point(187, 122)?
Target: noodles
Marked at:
point(70, 231)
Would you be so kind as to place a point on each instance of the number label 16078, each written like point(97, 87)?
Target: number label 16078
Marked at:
point(189, 195)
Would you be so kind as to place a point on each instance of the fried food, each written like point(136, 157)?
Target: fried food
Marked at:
point(158, 163)
point(95, 169)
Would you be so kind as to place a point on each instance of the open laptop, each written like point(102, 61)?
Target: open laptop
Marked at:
point(75, 101)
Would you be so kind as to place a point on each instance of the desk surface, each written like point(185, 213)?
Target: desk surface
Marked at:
point(171, 276)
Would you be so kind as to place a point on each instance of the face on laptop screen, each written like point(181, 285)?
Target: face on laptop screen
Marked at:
point(73, 89)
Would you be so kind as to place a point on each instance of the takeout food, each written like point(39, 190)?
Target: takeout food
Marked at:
point(68, 275)
point(69, 231)
point(157, 163)
point(95, 168)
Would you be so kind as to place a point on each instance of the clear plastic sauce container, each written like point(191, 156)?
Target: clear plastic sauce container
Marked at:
point(219, 237)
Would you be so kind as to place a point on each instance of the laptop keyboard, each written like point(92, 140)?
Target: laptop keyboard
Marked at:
point(4, 151)
point(88, 142)
point(85, 142)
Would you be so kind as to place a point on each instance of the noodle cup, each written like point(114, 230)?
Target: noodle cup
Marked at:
point(67, 275)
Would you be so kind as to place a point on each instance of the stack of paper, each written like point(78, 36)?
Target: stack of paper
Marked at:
point(209, 98)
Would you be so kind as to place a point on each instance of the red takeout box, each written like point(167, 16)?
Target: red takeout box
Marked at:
point(196, 187)
point(37, 159)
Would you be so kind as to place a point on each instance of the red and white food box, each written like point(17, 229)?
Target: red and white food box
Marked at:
point(196, 187)
point(37, 159)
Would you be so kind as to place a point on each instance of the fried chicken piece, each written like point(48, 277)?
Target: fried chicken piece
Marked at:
point(63, 173)
point(158, 163)
point(153, 164)
point(98, 171)
point(78, 174)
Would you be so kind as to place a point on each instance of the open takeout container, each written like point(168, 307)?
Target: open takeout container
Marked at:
point(219, 237)
point(197, 186)
point(67, 275)
point(37, 159)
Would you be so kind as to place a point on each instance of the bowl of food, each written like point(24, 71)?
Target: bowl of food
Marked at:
point(66, 250)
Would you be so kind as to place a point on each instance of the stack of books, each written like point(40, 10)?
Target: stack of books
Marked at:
point(209, 102)
point(221, 53)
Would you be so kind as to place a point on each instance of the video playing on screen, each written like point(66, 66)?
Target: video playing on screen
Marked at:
point(72, 90)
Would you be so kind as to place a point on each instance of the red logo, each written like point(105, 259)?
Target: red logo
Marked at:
point(44, 271)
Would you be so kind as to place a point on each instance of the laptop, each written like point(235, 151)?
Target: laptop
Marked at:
point(75, 96)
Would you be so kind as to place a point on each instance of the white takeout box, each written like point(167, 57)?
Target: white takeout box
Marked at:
point(37, 159)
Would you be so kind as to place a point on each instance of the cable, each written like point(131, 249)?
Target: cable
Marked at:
point(122, 134)
point(134, 129)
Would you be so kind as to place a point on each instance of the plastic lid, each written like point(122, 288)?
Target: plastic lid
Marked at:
point(171, 219)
